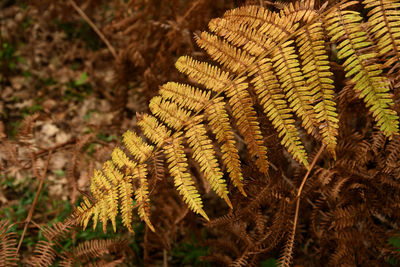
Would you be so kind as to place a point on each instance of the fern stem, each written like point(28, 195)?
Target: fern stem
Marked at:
point(32, 209)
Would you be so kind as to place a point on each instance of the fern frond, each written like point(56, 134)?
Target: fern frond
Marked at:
point(89, 250)
point(107, 188)
point(287, 68)
point(219, 122)
point(125, 192)
point(8, 245)
point(178, 168)
point(203, 153)
point(299, 11)
point(360, 64)
point(153, 129)
point(121, 159)
point(169, 112)
point(263, 20)
point(276, 108)
point(383, 19)
point(136, 146)
point(142, 194)
point(185, 95)
point(246, 121)
point(286, 258)
point(242, 108)
point(45, 254)
point(203, 73)
point(241, 35)
point(84, 212)
point(106, 198)
point(316, 70)
point(231, 57)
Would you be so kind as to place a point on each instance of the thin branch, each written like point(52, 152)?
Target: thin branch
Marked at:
point(32, 209)
point(94, 27)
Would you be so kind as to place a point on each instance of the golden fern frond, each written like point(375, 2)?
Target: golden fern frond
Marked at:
point(203, 153)
point(361, 65)
point(185, 95)
point(169, 112)
point(85, 211)
point(122, 160)
point(211, 77)
point(287, 67)
point(239, 100)
point(383, 20)
point(8, 245)
point(219, 122)
point(178, 168)
point(241, 35)
point(231, 57)
point(125, 192)
point(195, 133)
point(107, 205)
point(316, 70)
point(289, 70)
point(153, 129)
point(246, 121)
point(276, 108)
point(299, 11)
point(110, 186)
point(136, 146)
point(142, 194)
point(264, 20)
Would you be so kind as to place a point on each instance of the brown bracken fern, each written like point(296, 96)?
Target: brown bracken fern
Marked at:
point(280, 62)
point(8, 245)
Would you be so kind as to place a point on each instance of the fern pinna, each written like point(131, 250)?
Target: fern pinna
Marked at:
point(285, 60)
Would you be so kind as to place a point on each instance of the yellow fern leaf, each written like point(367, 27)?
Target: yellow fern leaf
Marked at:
point(219, 122)
point(263, 20)
point(203, 153)
point(185, 95)
point(136, 146)
point(360, 64)
point(177, 165)
point(106, 199)
point(241, 35)
point(315, 67)
point(384, 18)
point(246, 121)
point(125, 193)
point(153, 129)
point(85, 211)
point(287, 68)
point(112, 172)
point(142, 194)
point(203, 73)
point(299, 11)
point(169, 112)
point(275, 106)
point(121, 159)
point(231, 57)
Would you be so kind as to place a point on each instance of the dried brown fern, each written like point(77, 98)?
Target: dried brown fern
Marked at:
point(8, 245)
